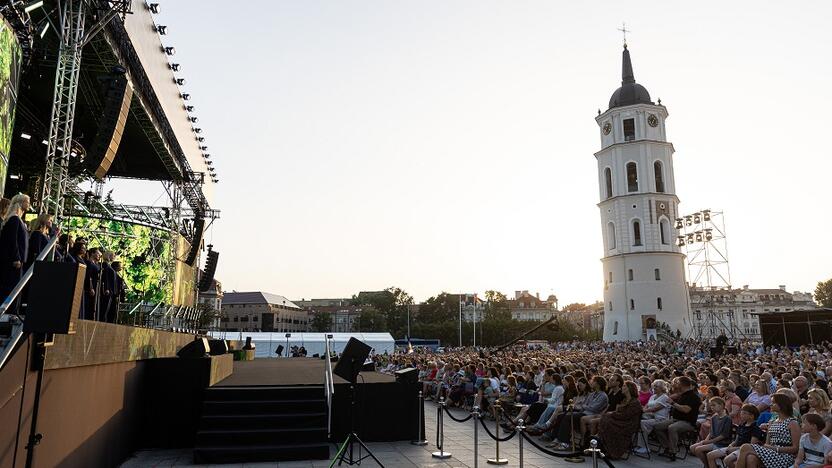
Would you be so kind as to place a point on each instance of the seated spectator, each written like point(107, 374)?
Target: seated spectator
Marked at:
point(616, 428)
point(813, 444)
point(595, 403)
point(747, 433)
point(818, 402)
point(782, 439)
point(720, 431)
point(656, 410)
point(644, 390)
point(733, 403)
point(684, 409)
point(760, 396)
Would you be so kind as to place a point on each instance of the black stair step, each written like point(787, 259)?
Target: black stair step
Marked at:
point(264, 406)
point(258, 453)
point(262, 421)
point(246, 437)
point(295, 392)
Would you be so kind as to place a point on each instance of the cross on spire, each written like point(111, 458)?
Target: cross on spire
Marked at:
point(624, 31)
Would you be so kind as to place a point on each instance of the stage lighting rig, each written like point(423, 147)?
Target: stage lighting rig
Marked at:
point(680, 241)
point(697, 218)
point(206, 155)
point(706, 215)
point(186, 96)
point(680, 223)
point(197, 130)
point(154, 8)
point(200, 139)
point(203, 148)
point(688, 220)
point(179, 81)
point(169, 50)
point(189, 108)
point(174, 66)
point(162, 30)
point(193, 119)
point(33, 6)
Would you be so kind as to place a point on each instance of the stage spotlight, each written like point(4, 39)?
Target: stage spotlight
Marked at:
point(169, 50)
point(206, 155)
point(706, 215)
point(708, 234)
point(200, 139)
point(696, 218)
point(197, 130)
point(25, 136)
point(174, 66)
point(203, 148)
point(680, 241)
point(179, 81)
point(208, 162)
point(154, 8)
point(189, 108)
point(193, 119)
point(688, 220)
point(679, 223)
point(698, 236)
point(690, 238)
point(162, 30)
point(43, 30)
point(186, 96)
point(33, 6)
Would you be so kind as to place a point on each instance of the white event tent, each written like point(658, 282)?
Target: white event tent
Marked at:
point(267, 342)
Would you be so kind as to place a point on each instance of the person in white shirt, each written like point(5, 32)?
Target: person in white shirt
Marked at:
point(813, 445)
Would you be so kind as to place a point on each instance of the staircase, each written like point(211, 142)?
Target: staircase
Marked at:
point(256, 424)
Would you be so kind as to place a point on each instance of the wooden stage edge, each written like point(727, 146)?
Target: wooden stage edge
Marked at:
point(288, 371)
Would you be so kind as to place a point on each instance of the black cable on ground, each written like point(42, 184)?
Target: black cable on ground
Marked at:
point(470, 415)
point(503, 439)
point(549, 452)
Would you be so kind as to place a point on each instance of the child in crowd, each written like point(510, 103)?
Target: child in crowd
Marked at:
point(720, 431)
point(747, 433)
point(813, 445)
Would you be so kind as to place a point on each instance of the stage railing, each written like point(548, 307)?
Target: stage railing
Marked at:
point(329, 383)
point(17, 333)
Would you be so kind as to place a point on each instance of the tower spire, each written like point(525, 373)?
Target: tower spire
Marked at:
point(627, 68)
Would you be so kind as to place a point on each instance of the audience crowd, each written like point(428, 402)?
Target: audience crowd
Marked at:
point(20, 245)
point(761, 407)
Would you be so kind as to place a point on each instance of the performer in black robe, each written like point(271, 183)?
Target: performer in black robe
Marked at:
point(76, 255)
point(39, 237)
point(109, 282)
point(14, 240)
point(92, 285)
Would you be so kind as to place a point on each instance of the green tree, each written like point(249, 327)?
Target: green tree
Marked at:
point(322, 322)
point(371, 320)
point(823, 293)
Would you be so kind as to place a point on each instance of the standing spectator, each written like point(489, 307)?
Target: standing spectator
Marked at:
point(40, 236)
point(14, 240)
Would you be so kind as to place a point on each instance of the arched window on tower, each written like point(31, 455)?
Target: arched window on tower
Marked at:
point(608, 181)
point(659, 175)
point(615, 328)
point(636, 233)
point(664, 231)
point(632, 177)
point(611, 235)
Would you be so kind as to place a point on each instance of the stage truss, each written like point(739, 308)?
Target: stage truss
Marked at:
point(713, 311)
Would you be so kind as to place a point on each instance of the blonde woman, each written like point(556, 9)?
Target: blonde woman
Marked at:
point(39, 238)
point(819, 404)
point(14, 240)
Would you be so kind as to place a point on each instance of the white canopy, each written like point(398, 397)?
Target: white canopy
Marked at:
point(267, 342)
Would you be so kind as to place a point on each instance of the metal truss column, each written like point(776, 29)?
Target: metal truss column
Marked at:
point(59, 143)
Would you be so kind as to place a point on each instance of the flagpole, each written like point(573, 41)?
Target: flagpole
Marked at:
point(475, 320)
point(460, 321)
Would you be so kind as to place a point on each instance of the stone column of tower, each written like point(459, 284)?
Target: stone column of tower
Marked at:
point(644, 275)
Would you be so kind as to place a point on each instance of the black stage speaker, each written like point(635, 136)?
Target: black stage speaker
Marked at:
point(279, 350)
point(55, 292)
point(407, 376)
point(731, 350)
point(716, 352)
point(195, 349)
point(210, 268)
point(196, 242)
point(352, 360)
point(104, 146)
point(218, 347)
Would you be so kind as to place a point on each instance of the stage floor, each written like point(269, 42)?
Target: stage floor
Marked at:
point(288, 371)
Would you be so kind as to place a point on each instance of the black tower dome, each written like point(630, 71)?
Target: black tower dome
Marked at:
point(630, 92)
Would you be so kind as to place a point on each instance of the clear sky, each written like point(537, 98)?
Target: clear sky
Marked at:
point(438, 145)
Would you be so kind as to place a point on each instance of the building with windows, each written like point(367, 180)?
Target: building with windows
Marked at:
point(644, 274)
point(735, 312)
point(531, 308)
point(262, 311)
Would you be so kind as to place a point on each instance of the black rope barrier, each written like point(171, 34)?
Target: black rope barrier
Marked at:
point(549, 452)
point(500, 439)
point(448, 412)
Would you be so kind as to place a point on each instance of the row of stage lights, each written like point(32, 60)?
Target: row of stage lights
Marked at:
point(704, 235)
point(696, 218)
point(175, 67)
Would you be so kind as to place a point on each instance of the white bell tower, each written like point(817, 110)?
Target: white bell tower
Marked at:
point(644, 275)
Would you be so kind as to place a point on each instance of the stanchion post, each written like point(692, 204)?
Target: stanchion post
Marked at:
point(594, 450)
point(520, 429)
point(497, 460)
point(440, 432)
point(475, 412)
point(420, 427)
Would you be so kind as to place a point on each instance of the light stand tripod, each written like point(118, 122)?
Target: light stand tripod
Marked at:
point(346, 452)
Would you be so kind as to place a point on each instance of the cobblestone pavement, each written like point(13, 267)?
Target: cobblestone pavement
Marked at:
point(459, 441)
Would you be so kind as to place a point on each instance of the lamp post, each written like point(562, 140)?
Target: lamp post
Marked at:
point(288, 335)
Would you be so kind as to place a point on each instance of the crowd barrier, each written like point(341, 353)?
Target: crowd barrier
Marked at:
point(519, 431)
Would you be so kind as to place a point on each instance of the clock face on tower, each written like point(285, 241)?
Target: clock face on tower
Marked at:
point(607, 128)
point(652, 120)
